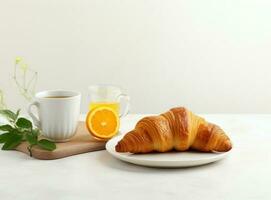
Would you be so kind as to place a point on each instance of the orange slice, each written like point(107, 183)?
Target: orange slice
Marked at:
point(103, 122)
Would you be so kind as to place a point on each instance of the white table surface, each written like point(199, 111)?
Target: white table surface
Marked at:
point(245, 174)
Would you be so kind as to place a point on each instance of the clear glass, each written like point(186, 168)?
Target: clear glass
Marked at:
point(109, 96)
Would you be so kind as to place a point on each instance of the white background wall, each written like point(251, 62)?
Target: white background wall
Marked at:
point(212, 56)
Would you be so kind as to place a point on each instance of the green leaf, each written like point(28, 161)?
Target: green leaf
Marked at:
point(24, 123)
point(31, 139)
point(11, 116)
point(6, 127)
point(36, 132)
point(13, 141)
point(4, 137)
point(19, 130)
point(47, 145)
point(17, 114)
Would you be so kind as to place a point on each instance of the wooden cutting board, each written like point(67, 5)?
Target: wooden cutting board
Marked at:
point(82, 142)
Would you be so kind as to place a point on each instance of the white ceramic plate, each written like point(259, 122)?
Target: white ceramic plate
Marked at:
point(170, 159)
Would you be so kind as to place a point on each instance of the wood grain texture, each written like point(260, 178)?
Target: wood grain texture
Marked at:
point(82, 142)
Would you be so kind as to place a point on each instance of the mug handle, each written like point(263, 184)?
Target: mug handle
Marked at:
point(127, 107)
point(33, 116)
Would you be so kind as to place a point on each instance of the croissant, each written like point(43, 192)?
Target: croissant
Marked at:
point(178, 129)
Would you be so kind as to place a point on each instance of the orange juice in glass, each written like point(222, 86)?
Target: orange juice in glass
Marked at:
point(109, 96)
point(113, 105)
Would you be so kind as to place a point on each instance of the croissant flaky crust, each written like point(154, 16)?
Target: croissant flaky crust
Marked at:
point(178, 129)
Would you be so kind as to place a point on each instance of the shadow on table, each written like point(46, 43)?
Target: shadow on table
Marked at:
point(107, 160)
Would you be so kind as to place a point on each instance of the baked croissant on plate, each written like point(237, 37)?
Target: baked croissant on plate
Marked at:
point(178, 129)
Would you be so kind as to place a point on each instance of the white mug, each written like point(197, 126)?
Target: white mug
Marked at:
point(58, 113)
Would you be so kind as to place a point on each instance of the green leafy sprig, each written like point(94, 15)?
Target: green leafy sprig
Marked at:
point(20, 129)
